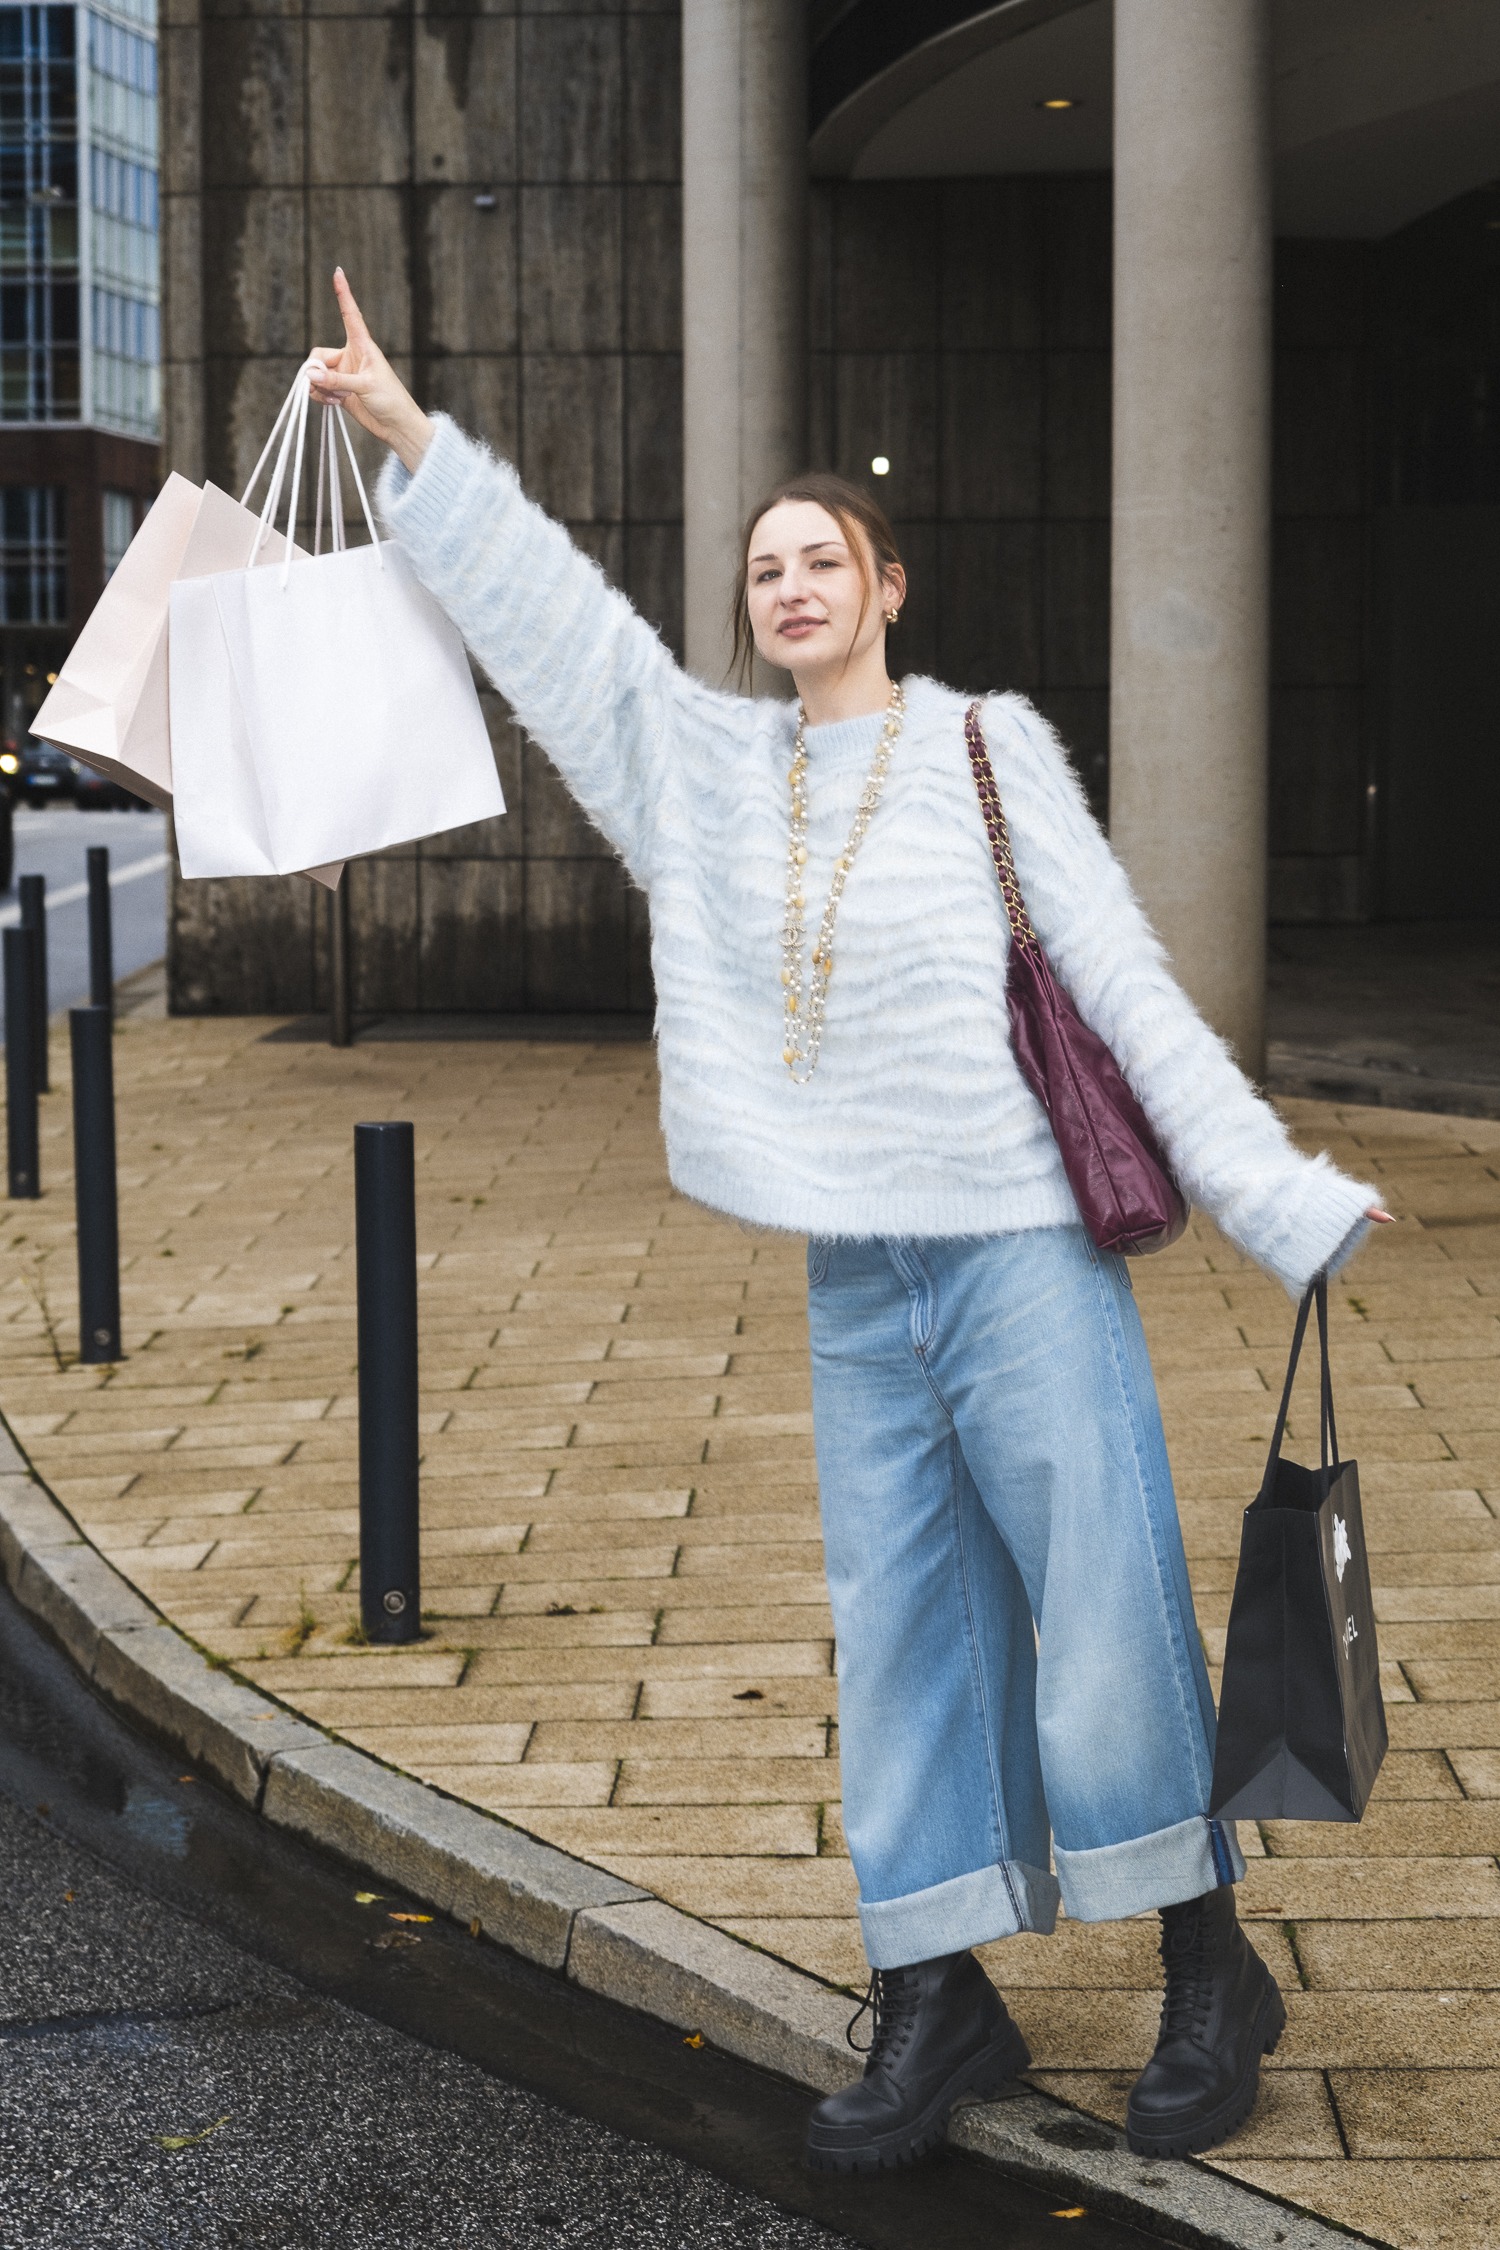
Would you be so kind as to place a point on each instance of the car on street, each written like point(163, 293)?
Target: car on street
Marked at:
point(97, 792)
point(47, 775)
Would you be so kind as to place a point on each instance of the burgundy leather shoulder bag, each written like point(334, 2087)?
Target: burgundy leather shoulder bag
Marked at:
point(1126, 1195)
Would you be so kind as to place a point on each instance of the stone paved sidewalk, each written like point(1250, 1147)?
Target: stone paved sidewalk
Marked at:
point(628, 1649)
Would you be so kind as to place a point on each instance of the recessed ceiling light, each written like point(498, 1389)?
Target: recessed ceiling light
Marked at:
point(880, 466)
point(1061, 101)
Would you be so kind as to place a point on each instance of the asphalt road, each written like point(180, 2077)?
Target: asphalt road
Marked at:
point(129, 2027)
point(208, 2042)
point(54, 843)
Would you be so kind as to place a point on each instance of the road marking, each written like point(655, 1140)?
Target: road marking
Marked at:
point(71, 893)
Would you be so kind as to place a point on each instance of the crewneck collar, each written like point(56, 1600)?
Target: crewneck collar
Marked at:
point(844, 741)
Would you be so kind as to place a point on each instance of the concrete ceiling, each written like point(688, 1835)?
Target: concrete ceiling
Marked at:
point(1383, 109)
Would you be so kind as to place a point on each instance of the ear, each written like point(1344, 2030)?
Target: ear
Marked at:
point(893, 587)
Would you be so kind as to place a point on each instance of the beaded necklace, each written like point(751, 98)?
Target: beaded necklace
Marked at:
point(804, 1027)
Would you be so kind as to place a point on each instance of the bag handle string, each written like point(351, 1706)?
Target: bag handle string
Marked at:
point(1316, 1294)
point(290, 427)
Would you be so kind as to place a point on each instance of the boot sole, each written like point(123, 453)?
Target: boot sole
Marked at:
point(982, 2078)
point(1222, 2123)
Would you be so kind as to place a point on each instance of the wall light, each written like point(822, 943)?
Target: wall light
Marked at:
point(1061, 101)
point(880, 466)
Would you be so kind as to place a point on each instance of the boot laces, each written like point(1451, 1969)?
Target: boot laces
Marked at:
point(891, 2005)
point(1189, 1977)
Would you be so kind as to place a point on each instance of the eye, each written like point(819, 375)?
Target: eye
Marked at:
point(764, 577)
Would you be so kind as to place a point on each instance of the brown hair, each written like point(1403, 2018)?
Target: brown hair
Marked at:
point(859, 517)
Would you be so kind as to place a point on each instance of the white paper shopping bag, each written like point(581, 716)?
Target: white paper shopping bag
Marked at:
point(109, 701)
point(321, 710)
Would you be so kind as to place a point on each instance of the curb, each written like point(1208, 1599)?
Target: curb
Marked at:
point(606, 1935)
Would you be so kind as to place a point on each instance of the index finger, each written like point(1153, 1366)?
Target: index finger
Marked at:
point(354, 319)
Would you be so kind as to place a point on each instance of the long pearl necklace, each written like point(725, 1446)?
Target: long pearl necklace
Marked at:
point(804, 1025)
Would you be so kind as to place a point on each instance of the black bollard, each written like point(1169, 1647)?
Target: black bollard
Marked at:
point(22, 1147)
point(385, 1229)
point(340, 967)
point(33, 889)
point(94, 1188)
point(101, 933)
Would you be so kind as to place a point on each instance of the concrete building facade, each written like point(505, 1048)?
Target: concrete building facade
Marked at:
point(1084, 280)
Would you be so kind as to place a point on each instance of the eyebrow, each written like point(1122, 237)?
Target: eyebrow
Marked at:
point(811, 548)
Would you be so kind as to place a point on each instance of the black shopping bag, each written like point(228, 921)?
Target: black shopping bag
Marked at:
point(1301, 1722)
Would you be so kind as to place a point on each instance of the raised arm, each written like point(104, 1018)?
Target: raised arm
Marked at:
point(585, 675)
point(1293, 1214)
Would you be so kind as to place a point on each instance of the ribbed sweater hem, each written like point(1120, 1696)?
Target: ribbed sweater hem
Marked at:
point(792, 1206)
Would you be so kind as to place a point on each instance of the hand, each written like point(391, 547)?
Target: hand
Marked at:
point(1381, 1218)
point(360, 377)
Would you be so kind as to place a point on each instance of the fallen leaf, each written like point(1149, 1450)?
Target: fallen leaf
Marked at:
point(474, 1927)
point(187, 1777)
point(393, 1938)
point(408, 1917)
point(1074, 2211)
point(693, 2039)
point(189, 2140)
point(367, 1898)
point(67, 1898)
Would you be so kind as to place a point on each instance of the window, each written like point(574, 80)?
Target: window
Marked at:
point(33, 555)
point(39, 343)
point(123, 221)
point(119, 529)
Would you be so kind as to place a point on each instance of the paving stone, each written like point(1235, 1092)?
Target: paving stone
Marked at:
point(679, 1738)
point(518, 1789)
point(1293, 2118)
point(1355, 1890)
point(726, 1781)
point(677, 1831)
point(1383, 2200)
point(1402, 2114)
point(1390, 1831)
point(1435, 1955)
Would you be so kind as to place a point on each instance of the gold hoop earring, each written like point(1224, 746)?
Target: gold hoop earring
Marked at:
point(891, 616)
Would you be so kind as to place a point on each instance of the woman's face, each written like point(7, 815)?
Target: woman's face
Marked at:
point(806, 588)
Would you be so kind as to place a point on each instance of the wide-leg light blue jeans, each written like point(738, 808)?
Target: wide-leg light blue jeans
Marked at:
point(1021, 1684)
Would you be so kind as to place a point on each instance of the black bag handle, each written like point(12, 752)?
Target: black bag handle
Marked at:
point(1317, 1293)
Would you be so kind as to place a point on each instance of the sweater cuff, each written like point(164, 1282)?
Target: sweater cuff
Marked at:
point(1327, 1226)
point(421, 507)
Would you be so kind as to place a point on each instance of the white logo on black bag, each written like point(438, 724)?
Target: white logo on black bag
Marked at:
point(1351, 1633)
point(1342, 1551)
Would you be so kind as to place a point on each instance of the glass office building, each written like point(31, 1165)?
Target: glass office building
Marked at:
point(80, 321)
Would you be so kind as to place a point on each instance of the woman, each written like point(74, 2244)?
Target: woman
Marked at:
point(828, 943)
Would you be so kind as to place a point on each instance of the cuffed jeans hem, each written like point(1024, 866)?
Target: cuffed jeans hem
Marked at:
point(1176, 1863)
point(993, 1902)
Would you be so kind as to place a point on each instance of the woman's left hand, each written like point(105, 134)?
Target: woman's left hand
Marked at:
point(1381, 1218)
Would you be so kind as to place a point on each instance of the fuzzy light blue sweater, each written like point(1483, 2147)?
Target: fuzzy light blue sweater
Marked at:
point(917, 1121)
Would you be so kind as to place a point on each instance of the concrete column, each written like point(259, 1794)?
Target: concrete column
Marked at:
point(744, 287)
point(1189, 623)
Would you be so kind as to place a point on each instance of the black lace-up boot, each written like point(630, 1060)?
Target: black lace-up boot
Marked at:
point(941, 2033)
point(1221, 2013)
